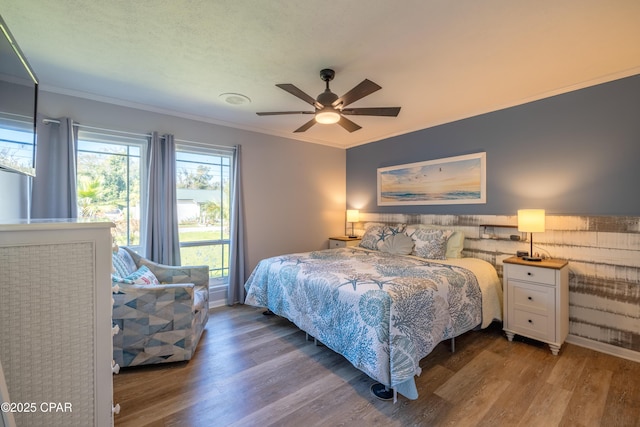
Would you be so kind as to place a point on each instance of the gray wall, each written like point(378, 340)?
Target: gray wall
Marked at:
point(576, 153)
point(294, 192)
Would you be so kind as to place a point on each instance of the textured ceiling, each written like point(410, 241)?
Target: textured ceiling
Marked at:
point(440, 60)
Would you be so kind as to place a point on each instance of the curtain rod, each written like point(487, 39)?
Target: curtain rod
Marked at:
point(57, 122)
point(147, 135)
point(204, 144)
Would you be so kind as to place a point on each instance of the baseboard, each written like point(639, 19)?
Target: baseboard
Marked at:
point(217, 295)
point(604, 348)
point(217, 303)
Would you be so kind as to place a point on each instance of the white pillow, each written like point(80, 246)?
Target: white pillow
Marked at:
point(455, 245)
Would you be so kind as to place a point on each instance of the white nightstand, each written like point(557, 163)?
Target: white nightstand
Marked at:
point(536, 300)
point(343, 242)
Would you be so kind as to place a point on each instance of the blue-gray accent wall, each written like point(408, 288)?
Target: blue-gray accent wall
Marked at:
point(572, 154)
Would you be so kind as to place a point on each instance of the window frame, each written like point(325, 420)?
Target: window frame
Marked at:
point(126, 140)
point(214, 151)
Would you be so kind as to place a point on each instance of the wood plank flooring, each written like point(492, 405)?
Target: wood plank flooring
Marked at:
point(256, 370)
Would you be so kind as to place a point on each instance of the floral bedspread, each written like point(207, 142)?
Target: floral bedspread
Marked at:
point(382, 312)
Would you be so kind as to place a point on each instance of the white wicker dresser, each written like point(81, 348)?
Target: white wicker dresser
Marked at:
point(55, 322)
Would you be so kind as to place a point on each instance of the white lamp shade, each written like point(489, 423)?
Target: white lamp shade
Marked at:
point(531, 220)
point(327, 116)
point(353, 215)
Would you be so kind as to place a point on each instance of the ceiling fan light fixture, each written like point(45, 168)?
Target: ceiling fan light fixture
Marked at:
point(327, 116)
point(329, 108)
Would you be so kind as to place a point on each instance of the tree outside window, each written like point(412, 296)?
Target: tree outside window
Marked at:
point(109, 184)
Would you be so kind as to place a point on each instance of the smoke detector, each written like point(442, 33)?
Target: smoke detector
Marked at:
point(235, 98)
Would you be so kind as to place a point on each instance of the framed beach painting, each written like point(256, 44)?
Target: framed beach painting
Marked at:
point(448, 181)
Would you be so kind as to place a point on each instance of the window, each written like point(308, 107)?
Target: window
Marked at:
point(16, 144)
point(203, 187)
point(111, 183)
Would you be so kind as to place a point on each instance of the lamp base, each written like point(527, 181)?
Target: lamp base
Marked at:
point(352, 237)
point(531, 258)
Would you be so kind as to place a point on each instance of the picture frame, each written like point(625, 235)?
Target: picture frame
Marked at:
point(446, 181)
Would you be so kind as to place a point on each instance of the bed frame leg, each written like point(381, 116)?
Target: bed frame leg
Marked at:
point(383, 392)
point(453, 345)
point(306, 338)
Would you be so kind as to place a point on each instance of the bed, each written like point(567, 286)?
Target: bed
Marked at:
point(382, 308)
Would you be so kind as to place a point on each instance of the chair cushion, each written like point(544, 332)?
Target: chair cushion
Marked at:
point(199, 298)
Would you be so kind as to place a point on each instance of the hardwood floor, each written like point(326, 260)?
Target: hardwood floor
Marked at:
point(250, 370)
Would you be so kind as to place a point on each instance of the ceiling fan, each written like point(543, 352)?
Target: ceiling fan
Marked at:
point(330, 108)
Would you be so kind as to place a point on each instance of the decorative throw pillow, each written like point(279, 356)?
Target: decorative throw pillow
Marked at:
point(123, 264)
point(455, 243)
point(430, 243)
point(375, 236)
point(399, 244)
point(142, 276)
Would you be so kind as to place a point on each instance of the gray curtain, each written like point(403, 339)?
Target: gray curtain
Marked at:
point(237, 254)
point(53, 191)
point(161, 237)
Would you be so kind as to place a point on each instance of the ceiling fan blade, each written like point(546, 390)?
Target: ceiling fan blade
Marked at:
point(293, 90)
point(374, 111)
point(348, 124)
point(366, 87)
point(275, 113)
point(306, 125)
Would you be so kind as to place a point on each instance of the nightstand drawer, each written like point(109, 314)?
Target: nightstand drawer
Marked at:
point(533, 298)
point(336, 244)
point(533, 325)
point(545, 276)
point(343, 242)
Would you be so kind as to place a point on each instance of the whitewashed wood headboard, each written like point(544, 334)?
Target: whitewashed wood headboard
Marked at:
point(604, 264)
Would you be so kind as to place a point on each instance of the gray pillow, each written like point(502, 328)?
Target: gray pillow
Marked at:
point(399, 244)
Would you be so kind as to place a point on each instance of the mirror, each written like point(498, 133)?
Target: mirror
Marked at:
point(18, 107)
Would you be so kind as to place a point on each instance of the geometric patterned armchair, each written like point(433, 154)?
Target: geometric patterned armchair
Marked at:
point(160, 310)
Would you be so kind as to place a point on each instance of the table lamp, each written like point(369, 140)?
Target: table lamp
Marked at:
point(531, 221)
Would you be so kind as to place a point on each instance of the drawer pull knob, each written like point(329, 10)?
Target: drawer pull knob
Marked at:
point(530, 321)
point(529, 273)
point(530, 298)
